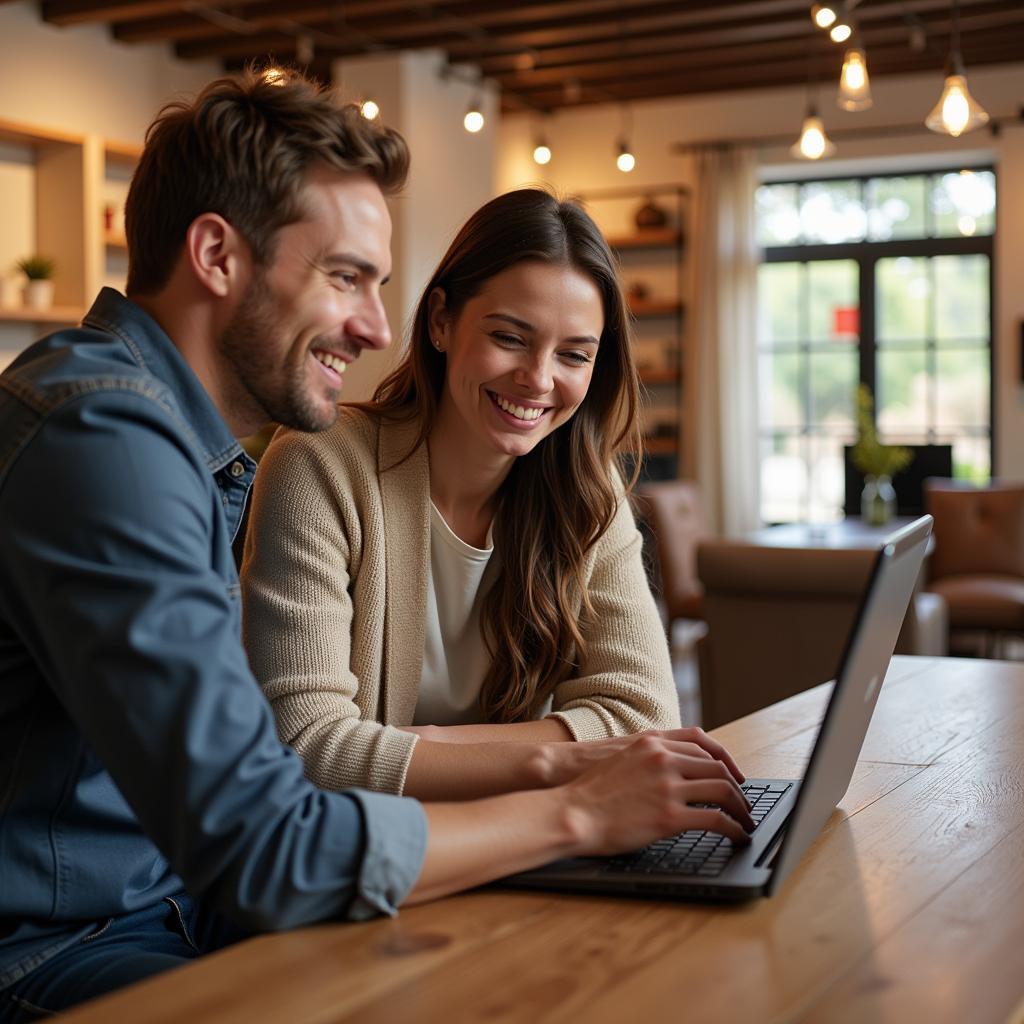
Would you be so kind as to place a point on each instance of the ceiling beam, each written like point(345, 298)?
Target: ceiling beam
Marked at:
point(669, 42)
point(680, 54)
point(712, 81)
point(78, 12)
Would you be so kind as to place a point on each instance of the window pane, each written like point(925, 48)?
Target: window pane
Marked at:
point(832, 211)
point(961, 298)
point(971, 459)
point(832, 299)
point(896, 208)
point(964, 203)
point(778, 298)
point(781, 389)
point(903, 289)
point(834, 378)
point(783, 478)
point(962, 389)
point(778, 214)
point(826, 478)
point(901, 399)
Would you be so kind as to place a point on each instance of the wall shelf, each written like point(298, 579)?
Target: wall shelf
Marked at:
point(66, 184)
point(650, 308)
point(53, 315)
point(652, 266)
point(652, 238)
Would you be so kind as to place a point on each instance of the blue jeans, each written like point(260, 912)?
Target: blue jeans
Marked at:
point(121, 951)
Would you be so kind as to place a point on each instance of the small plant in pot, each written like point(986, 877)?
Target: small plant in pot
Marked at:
point(38, 290)
point(878, 462)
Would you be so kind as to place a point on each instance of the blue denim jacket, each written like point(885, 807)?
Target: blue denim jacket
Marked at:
point(137, 753)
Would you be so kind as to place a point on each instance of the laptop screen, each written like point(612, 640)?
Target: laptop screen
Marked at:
point(858, 682)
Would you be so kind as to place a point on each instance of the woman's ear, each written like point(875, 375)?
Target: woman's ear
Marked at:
point(438, 319)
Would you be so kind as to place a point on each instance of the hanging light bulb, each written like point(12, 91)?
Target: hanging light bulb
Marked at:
point(474, 119)
point(541, 151)
point(840, 32)
point(273, 75)
point(957, 110)
point(854, 87)
point(823, 15)
point(369, 109)
point(813, 143)
point(625, 161)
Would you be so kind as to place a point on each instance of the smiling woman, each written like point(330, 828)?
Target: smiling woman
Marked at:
point(449, 581)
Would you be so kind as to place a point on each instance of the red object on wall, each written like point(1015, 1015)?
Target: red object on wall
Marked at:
point(845, 320)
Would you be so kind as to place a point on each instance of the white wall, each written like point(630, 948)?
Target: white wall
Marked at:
point(81, 80)
point(584, 159)
point(78, 80)
point(451, 174)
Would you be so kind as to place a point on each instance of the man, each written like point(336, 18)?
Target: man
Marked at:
point(147, 811)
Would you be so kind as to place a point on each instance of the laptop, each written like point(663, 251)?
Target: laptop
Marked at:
point(788, 813)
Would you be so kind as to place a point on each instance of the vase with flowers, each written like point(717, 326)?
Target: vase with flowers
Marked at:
point(878, 462)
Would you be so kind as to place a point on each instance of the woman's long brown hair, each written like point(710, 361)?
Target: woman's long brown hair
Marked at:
point(560, 498)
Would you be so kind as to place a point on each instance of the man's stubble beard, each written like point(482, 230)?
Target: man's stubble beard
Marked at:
point(248, 350)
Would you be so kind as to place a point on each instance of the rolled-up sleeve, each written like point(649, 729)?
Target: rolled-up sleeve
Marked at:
point(110, 522)
point(396, 843)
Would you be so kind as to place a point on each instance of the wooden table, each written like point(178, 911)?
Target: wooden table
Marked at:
point(909, 907)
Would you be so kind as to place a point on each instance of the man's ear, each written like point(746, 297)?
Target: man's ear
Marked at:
point(217, 254)
point(438, 319)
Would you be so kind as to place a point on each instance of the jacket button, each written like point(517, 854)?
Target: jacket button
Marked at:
point(237, 469)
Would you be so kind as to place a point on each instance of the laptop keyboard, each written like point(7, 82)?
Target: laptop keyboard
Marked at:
point(696, 852)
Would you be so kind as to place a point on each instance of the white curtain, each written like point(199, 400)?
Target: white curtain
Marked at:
point(725, 258)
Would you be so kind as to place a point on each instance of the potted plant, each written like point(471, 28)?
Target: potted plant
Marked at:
point(878, 462)
point(38, 290)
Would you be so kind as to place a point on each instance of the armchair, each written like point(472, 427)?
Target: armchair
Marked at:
point(978, 562)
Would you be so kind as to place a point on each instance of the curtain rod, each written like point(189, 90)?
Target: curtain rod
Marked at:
point(994, 128)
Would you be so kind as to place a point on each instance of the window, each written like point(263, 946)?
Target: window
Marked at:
point(880, 280)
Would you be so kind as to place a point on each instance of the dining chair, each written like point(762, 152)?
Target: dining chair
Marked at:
point(674, 514)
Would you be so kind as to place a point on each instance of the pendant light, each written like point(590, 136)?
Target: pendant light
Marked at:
point(624, 158)
point(957, 110)
point(541, 151)
point(823, 15)
point(474, 119)
point(854, 86)
point(813, 143)
point(840, 32)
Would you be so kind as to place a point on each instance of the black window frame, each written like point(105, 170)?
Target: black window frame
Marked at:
point(866, 255)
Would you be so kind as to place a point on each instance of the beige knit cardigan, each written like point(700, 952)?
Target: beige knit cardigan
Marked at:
point(334, 583)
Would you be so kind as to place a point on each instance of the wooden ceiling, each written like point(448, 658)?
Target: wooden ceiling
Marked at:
point(569, 52)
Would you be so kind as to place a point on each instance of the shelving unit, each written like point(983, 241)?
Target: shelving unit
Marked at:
point(71, 178)
point(654, 273)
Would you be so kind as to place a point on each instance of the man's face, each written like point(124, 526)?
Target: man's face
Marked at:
point(311, 311)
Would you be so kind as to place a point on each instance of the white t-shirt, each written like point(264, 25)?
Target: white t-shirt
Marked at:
point(455, 658)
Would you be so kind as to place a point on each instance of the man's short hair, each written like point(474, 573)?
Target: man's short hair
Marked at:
point(243, 150)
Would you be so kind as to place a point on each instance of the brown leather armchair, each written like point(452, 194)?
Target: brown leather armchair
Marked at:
point(778, 619)
point(978, 562)
point(673, 512)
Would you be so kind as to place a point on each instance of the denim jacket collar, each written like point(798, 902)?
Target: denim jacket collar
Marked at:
point(154, 351)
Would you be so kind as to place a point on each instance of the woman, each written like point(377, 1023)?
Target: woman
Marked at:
point(449, 581)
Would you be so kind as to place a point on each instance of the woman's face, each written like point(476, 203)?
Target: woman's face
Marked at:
point(520, 354)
